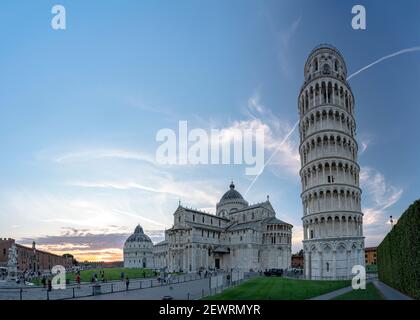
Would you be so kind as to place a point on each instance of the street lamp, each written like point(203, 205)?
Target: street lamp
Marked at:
point(391, 221)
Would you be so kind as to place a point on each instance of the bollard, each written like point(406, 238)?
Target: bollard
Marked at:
point(188, 296)
point(73, 293)
point(151, 283)
point(140, 285)
point(48, 295)
point(20, 293)
point(112, 288)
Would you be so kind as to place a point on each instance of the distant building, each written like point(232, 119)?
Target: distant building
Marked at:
point(32, 259)
point(298, 260)
point(370, 255)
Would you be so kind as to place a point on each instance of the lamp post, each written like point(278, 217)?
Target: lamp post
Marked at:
point(391, 221)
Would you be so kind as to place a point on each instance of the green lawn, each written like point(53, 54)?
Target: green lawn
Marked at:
point(272, 288)
point(371, 268)
point(371, 293)
point(110, 274)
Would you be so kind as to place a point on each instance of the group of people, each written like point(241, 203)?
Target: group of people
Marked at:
point(46, 283)
point(95, 278)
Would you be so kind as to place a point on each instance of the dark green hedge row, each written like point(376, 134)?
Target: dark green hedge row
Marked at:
point(398, 254)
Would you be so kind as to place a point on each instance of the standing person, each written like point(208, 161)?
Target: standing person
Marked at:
point(78, 281)
point(44, 282)
point(49, 285)
point(122, 275)
point(103, 276)
point(127, 283)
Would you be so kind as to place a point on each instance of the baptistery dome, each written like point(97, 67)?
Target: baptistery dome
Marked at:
point(138, 236)
point(138, 250)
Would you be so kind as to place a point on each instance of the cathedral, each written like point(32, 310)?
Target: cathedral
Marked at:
point(239, 236)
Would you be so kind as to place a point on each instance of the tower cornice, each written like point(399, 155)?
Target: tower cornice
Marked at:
point(328, 131)
point(331, 185)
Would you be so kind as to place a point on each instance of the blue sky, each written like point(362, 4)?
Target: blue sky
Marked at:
point(80, 109)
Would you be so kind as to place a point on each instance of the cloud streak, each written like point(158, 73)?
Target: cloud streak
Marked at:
point(395, 54)
point(382, 195)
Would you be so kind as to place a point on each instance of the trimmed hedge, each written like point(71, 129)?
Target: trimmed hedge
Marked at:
point(399, 254)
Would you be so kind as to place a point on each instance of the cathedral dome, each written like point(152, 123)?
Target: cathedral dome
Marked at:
point(231, 194)
point(138, 236)
point(230, 202)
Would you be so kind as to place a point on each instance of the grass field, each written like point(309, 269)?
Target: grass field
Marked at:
point(371, 268)
point(110, 274)
point(271, 288)
point(371, 293)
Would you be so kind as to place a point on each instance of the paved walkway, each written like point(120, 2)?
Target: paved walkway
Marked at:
point(333, 294)
point(85, 289)
point(388, 292)
point(179, 291)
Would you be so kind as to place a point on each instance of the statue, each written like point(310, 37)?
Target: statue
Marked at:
point(12, 263)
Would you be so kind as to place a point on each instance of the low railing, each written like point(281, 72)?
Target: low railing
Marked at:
point(90, 289)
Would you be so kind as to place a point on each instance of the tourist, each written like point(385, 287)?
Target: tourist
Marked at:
point(78, 281)
point(49, 285)
point(127, 283)
point(44, 282)
point(122, 276)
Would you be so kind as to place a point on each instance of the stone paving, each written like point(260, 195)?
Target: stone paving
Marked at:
point(390, 293)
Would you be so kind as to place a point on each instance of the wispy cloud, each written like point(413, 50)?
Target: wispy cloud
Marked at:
point(381, 195)
point(94, 154)
point(283, 37)
point(365, 140)
point(280, 139)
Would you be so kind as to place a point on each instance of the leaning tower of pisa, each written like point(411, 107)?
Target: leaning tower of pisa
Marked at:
point(333, 239)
